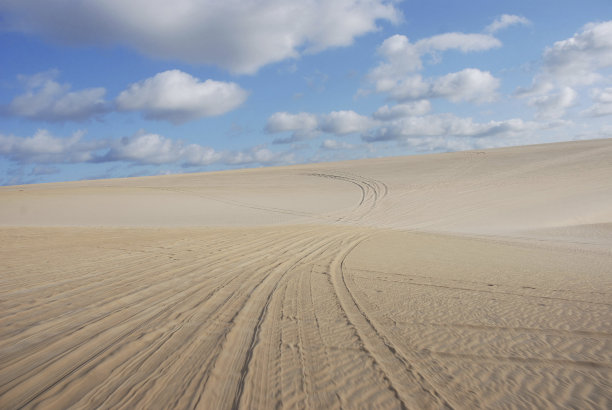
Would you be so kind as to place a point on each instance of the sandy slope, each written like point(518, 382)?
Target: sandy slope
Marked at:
point(463, 280)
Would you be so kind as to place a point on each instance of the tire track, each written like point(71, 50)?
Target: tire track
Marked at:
point(410, 386)
point(233, 361)
point(372, 192)
point(218, 341)
point(264, 250)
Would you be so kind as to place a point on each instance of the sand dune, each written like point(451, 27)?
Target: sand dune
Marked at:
point(460, 280)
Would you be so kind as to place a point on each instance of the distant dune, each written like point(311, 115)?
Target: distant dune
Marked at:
point(478, 279)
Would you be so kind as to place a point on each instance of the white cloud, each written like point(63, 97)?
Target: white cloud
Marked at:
point(237, 35)
point(401, 57)
point(576, 60)
point(457, 41)
point(178, 97)
point(398, 74)
point(344, 122)
point(141, 148)
point(504, 21)
point(47, 100)
point(306, 125)
point(145, 148)
point(536, 88)
point(602, 103)
point(445, 125)
point(259, 154)
point(44, 148)
point(414, 108)
point(568, 66)
point(284, 121)
point(336, 145)
point(198, 155)
point(303, 126)
point(603, 96)
point(470, 84)
point(401, 122)
point(554, 105)
point(411, 87)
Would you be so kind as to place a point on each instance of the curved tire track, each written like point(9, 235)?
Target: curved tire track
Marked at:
point(411, 388)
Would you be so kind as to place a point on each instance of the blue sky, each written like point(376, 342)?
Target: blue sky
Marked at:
point(102, 88)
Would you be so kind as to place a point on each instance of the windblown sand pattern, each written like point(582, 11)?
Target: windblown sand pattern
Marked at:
point(462, 280)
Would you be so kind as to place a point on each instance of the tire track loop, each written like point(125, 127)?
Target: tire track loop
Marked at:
point(372, 192)
point(411, 388)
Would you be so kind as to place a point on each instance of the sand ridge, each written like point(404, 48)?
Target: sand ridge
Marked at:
point(463, 280)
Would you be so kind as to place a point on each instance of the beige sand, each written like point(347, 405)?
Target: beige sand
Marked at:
point(463, 280)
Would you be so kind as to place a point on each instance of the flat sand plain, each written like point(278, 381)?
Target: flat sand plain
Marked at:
point(478, 279)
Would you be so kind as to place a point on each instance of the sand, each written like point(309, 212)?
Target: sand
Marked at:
point(478, 279)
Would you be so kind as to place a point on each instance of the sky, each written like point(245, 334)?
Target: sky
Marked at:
point(116, 88)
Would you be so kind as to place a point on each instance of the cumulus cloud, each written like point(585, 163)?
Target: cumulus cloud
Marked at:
point(412, 87)
point(47, 100)
point(398, 75)
point(470, 84)
point(569, 65)
point(504, 21)
point(306, 125)
point(403, 122)
point(457, 41)
point(402, 57)
point(284, 121)
point(199, 155)
point(445, 125)
point(576, 60)
point(302, 126)
point(344, 122)
point(536, 88)
point(237, 35)
point(258, 154)
point(333, 145)
point(153, 149)
point(44, 148)
point(554, 105)
point(406, 124)
point(141, 148)
point(602, 103)
point(145, 148)
point(410, 109)
point(178, 97)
